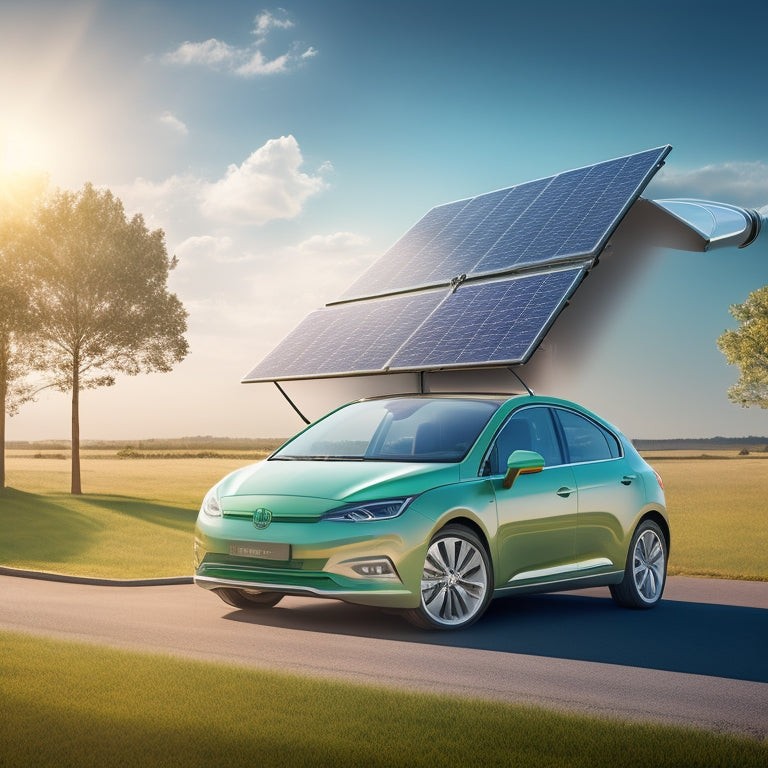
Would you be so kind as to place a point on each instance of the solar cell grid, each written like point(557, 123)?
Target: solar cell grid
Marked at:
point(488, 323)
point(573, 216)
point(400, 266)
point(562, 216)
point(347, 338)
point(391, 319)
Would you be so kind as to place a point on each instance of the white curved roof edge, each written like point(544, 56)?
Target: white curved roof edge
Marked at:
point(711, 224)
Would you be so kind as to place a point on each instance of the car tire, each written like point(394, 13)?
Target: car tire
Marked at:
point(241, 599)
point(456, 581)
point(645, 573)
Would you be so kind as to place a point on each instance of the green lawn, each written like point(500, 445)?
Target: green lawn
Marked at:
point(66, 704)
point(134, 521)
point(718, 517)
point(137, 515)
point(74, 705)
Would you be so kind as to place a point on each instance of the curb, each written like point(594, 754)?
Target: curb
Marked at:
point(45, 576)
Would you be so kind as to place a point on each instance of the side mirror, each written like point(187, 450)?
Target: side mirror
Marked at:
point(522, 463)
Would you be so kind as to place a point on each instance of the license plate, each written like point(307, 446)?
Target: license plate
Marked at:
point(260, 550)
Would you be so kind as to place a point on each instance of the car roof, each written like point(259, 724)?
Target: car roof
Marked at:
point(498, 396)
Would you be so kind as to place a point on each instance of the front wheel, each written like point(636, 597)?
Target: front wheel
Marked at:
point(239, 598)
point(456, 583)
point(646, 570)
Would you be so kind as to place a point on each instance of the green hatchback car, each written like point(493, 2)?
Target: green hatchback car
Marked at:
point(435, 504)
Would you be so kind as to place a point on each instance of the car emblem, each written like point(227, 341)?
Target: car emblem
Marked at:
point(262, 518)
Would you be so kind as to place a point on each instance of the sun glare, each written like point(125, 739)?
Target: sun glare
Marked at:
point(20, 153)
point(23, 177)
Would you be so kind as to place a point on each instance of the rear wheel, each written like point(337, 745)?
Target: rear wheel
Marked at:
point(456, 583)
point(646, 570)
point(240, 598)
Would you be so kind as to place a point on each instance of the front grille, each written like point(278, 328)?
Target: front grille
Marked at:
point(237, 515)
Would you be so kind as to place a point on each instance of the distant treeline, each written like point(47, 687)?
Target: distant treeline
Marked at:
point(209, 443)
point(750, 443)
point(198, 443)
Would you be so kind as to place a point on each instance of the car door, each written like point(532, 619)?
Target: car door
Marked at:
point(609, 493)
point(537, 516)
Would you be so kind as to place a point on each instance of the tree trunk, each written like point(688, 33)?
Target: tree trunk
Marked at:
point(3, 399)
point(76, 487)
point(2, 442)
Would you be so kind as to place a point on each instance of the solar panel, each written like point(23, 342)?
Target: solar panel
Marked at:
point(490, 323)
point(474, 283)
point(359, 337)
point(547, 221)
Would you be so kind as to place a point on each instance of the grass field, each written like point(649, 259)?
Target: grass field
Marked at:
point(134, 521)
point(67, 704)
point(718, 514)
point(73, 705)
point(137, 515)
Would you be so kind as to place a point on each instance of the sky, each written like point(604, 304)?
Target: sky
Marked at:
point(283, 149)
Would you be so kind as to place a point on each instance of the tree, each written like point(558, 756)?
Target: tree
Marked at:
point(99, 298)
point(17, 196)
point(747, 347)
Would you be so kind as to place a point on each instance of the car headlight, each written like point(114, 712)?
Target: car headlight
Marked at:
point(366, 511)
point(211, 505)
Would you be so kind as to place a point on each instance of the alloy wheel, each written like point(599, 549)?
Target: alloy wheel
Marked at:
point(648, 566)
point(454, 584)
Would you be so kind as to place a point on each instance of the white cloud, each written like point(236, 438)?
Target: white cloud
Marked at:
point(158, 202)
point(211, 53)
point(739, 183)
point(258, 65)
point(267, 20)
point(169, 120)
point(339, 243)
point(320, 268)
point(268, 185)
point(208, 247)
point(248, 61)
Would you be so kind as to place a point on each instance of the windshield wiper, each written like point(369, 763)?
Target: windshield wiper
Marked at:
point(317, 458)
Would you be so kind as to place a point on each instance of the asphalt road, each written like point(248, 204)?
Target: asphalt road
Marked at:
point(699, 659)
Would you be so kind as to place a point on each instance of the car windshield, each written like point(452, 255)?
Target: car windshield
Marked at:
point(400, 429)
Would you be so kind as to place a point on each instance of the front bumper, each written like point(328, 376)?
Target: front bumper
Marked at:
point(322, 555)
point(317, 585)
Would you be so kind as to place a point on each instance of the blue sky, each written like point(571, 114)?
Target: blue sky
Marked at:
point(283, 148)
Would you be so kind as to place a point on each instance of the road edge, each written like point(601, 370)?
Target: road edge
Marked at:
point(94, 581)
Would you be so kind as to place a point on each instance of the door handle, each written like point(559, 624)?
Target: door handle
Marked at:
point(627, 479)
point(565, 491)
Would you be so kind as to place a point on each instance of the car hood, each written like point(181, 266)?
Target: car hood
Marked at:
point(337, 480)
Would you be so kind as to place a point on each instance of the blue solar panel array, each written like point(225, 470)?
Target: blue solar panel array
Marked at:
point(521, 252)
point(494, 323)
point(491, 323)
point(359, 337)
point(541, 222)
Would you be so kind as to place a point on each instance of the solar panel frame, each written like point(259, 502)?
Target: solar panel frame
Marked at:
point(546, 211)
point(491, 323)
point(348, 339)
point(545, 233)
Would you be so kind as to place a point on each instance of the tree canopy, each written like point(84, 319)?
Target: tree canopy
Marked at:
point(98, 297)
point(17, 197)
point(747, 347)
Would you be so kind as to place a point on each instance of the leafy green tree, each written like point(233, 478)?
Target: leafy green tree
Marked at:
point(17, 196)
point(99, 298)
point(747, 347)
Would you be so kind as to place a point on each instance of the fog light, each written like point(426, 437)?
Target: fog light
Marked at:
point(379, 568)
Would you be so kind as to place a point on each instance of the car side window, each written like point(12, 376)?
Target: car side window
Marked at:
point(585, 440)
point(529, 429)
